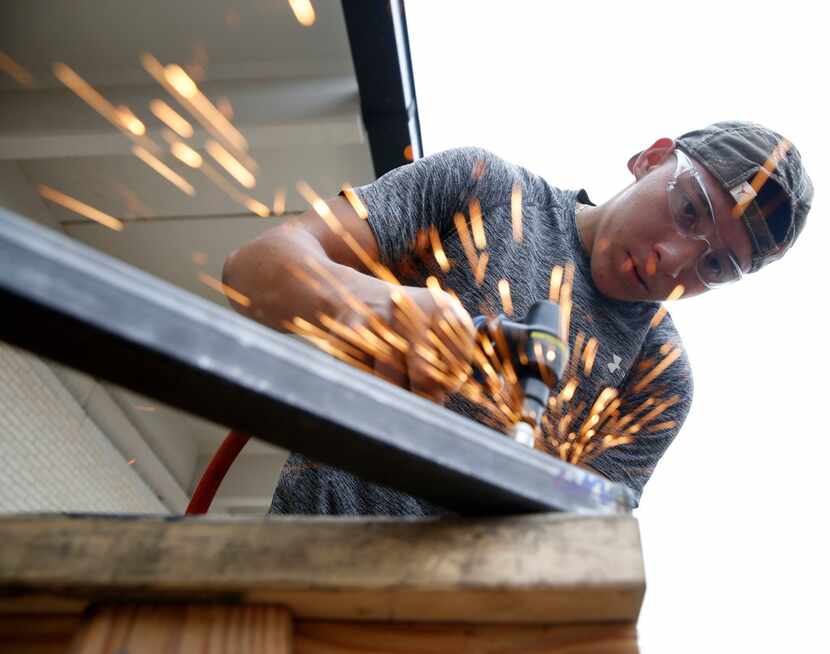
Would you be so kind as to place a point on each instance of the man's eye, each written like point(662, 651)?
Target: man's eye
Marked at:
point(687, 215)
point(714, 267)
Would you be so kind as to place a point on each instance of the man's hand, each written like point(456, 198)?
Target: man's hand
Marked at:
point(439, 337)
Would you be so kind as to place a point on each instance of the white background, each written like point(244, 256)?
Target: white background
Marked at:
point(734, 520)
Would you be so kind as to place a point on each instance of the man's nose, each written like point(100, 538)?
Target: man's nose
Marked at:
point(676, 255)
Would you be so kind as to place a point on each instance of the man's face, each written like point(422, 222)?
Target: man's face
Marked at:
point(638, 253)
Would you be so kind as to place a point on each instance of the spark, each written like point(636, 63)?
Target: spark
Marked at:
point(516, 211)
point(130, 462)
point(166, 114)
point(340, 344)
point(662, 426)
point(481, 269)
point(407, 153)
point(356, 203)
point(676, 294)
point(200, 258)
point(438, 249)
point(231, 164)
point(669, 359)
point(246, 201)
point(14, 70)
point(506, 300)
point(187, 93)
point(565, 300)
point(229, 292)
point(98, 102)
point(651, 264)
point(162, 169)
point(588, 355)
point(279, 201)
point(322, 209)
point(130, 121)
point(479, 236)
point(186, 154)
point(568, 391)
point(555, 283)
point(149, 408)
point(303, 12)
point(466, 242)
point(225, 107)
point(761, 177)
point(79, 207)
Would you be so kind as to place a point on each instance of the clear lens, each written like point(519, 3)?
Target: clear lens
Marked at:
point(717, 267)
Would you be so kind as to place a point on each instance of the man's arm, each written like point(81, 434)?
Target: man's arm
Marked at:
point(266, 270)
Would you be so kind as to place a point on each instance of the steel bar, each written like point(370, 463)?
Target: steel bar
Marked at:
point(73, 304)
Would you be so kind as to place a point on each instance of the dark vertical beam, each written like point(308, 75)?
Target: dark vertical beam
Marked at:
point(380, 52)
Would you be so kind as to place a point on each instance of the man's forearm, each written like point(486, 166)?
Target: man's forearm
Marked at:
point(277, 273)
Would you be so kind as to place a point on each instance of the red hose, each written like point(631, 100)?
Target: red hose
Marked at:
point(215, 472)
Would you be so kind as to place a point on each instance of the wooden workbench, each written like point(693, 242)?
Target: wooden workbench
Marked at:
point(130, 585)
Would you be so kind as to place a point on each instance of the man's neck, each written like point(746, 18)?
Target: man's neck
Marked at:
point(586, 223)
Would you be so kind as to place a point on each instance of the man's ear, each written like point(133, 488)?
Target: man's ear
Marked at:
point(651, 157)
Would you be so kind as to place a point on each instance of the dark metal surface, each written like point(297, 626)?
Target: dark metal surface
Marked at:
point(380, 52)
point(66, 301)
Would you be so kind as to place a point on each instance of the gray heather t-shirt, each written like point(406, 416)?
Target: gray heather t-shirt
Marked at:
point(402, 206)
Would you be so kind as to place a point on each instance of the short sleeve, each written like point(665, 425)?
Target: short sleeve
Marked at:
point(633, 463)
point(428, 192)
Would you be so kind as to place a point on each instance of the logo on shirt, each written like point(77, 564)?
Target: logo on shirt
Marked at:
point(615, 365)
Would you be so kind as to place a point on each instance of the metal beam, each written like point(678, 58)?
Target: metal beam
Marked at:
point(78, 306)
point(382, 63)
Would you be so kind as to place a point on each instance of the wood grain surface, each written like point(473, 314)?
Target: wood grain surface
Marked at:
point(552, 568)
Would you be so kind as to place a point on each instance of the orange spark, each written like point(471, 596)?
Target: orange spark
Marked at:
point(229, 292)
point(187, 93)
point(79, 207)
point(15, 70)
point(171, 118)
point(200, 258)
point(676, 294)
point(407, 153)
point(279, 201)
point(130, 462)
point(761, 177)
point(481, 269)
point(568, 391)
point(466, 242)
point(130, 121)
point(322, 209)
point(479, 237)
point(651, 264)
point(438, 249)
point(246, 201)
point(662, 426)
point(506, 300)
point(145, 407)
point(95, 100)
point(225, 107)
point(565, 300)
point(303, 12)
point(231, 164)
point(356, 203)
point(589, 354)
point(669, 359)
point(162, 169)
point(555, 283)
point(186, 154)
point(516, 211)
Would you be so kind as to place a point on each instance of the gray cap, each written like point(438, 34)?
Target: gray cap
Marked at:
point(764, 174)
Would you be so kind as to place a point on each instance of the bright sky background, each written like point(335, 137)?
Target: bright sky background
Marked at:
point(734, 519)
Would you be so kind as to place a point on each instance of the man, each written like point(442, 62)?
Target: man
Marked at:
point(691, 220)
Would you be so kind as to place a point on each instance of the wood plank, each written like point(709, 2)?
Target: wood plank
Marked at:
point(553, 568)
point(218, 629)
point(37, 633)
point(389, 638)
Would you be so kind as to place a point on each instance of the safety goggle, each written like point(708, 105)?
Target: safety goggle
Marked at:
point(694, 217)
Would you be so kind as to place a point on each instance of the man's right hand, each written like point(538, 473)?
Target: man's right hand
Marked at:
point(440, 339)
